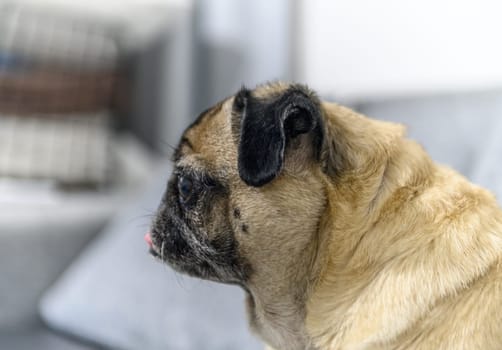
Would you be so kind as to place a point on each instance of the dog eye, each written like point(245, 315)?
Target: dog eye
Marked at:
point(185, 188)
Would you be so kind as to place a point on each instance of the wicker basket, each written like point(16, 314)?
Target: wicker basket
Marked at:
point(53, 92)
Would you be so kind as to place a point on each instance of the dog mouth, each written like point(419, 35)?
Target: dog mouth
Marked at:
point(203, 270)
point(153, 250)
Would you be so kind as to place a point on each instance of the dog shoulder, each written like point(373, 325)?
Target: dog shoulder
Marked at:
point(419, 255)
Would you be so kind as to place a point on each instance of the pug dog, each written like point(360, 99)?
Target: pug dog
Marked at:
point(342, 232)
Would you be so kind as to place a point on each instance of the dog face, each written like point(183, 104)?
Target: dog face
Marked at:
point(246, 196)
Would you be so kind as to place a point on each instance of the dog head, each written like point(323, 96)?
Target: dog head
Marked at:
point(246, 195)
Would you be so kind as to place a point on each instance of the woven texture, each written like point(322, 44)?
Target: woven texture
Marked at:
point(73, 149)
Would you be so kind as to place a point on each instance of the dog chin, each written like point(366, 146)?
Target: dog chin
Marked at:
point(201, 270)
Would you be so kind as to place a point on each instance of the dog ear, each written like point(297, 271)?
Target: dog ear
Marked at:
point(267, 127)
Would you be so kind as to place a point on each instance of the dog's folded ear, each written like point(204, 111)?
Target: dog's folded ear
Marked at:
point(268, 125)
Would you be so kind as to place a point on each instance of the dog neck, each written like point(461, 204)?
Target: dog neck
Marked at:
point(361, 174)
point(277, 312)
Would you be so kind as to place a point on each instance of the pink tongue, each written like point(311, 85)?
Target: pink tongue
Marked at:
point(148, 240)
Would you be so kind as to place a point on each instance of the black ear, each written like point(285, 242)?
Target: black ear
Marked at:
point(266, 128)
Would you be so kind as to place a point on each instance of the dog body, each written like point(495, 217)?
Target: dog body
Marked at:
point(343, 233)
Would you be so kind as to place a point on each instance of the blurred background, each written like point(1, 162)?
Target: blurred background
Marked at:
point(94, 95)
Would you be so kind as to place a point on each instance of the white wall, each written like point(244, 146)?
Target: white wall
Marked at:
point(258, 29)
point(365, 48)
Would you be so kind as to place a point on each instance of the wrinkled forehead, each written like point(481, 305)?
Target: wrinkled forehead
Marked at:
point(208, 143)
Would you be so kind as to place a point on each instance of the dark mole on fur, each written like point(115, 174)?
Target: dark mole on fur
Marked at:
point(237, 213)
point(244, 228)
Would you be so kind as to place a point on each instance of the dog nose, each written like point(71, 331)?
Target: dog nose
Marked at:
point(148, 239)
